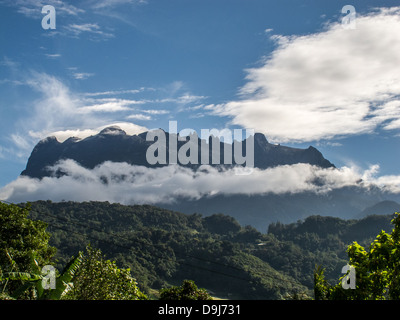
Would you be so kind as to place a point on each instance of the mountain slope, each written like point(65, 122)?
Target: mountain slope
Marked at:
point(164, 247)
point(383, 207)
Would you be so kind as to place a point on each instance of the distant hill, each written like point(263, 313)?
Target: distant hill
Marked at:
point(261, 210)
point(360, 230)
point(383, 208)
point(163, 247)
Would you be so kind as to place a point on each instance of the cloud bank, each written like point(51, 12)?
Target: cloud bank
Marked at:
point(128, 184)
point(325, 85)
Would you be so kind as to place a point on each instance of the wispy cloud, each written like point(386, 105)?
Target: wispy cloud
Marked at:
point(118, 92)
point(82, 75)
point(20, 142)
point(53, 55)
point(62, 135)
point(59, 111)
point(129, 184)
point(156, 112)
point(148, 114)
point(76, 74)
point(12, 82)
point(139, 117)
point(325, 85)
point(8, 62)
point(114, 3)
point(76, 30)
point(32, 8)
point(182, 99)
point(109, 105)
point(77, 12)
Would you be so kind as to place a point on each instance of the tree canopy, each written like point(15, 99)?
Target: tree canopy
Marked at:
point(163, 248)
point(24, 244)
point(377, 270)
point(187, 291)
point(101, 279)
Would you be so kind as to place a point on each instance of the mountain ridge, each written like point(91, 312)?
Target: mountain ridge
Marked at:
point(257, 210)
point(113, 144)
point(381, 208)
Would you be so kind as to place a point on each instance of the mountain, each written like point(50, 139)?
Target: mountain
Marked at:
point(113, 144)
point(382, 208)
point(261, 210)
point(258, 210)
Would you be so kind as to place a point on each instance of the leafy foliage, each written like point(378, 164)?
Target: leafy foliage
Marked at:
point(24, 245)
point(64, 282)
point(20, 236)
point(35, 281)
point(164, 248)
point(377, 270)
point(187, 291)
point(101, 279)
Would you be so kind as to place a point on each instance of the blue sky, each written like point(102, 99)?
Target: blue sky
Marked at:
point(286, 68)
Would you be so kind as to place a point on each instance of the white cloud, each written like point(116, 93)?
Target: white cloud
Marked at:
point(325, 85)
point(139, 117)
point(62, 135)
point(53, 55)
point(117, 92)
point(20, 142)
point(56, 105)
point(113, 3)
point(129, 184)
point(90, 28)
point(148, 115)
point(86, 27)
point(82, 75)
point(129, 127)
point(32, 8)
point(155, 111)
point(10, 63)
point(62, 113)
point(109, 105)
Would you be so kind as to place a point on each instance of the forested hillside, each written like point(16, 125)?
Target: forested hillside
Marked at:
point(163, 247)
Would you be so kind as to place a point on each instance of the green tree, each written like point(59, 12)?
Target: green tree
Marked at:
point(101, 279)
point(21, 239)
point(187, 291)
point(35, 281)
point(377, 270)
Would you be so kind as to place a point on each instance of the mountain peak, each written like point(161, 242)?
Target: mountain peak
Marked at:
point(113, 144)
point(48, 140)
point(260, 138)
point(112, 130)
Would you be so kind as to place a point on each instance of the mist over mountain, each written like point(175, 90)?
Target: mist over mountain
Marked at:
point(380, 208)
point(287, 184)
point(261, 210)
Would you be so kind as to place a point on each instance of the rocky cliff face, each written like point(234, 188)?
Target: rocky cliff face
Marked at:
point(113, 144)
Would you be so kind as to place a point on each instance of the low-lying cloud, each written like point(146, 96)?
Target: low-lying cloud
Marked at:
point(130, 184)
